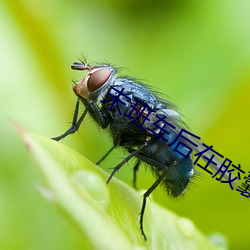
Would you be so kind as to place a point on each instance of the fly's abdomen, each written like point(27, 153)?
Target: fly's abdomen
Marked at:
point(167, 159)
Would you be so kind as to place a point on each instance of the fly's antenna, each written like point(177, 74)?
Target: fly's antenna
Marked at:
point(80, 66)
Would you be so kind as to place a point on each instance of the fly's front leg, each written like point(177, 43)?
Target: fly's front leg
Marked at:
point(97, 114)
point(75, 123)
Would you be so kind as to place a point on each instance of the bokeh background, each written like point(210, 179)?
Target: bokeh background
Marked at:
point(195, 52)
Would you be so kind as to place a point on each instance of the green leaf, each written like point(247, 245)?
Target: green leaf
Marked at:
point(107, 215)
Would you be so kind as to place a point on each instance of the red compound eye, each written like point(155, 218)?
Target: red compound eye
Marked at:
point(97, 79)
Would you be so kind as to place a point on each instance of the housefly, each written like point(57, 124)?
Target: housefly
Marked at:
point(148, 127)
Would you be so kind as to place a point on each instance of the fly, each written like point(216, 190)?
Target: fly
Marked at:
point(139, 121)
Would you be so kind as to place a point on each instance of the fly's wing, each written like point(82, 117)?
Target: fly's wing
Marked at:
point(208, 154)
point(191, 140)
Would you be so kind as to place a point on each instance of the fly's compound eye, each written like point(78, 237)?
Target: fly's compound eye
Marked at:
point(97, 79)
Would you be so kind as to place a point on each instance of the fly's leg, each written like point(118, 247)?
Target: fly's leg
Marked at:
point(93, 109)
point(75, 124)
point(105, 155)
point(136, 167)
point(125, 160)
point(145, 196)
point(97, 114)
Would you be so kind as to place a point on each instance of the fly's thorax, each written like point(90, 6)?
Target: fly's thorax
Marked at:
point(95, 84)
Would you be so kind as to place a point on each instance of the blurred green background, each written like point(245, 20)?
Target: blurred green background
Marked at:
point(195, 52)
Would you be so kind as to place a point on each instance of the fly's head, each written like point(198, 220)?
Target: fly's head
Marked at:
point(96, 80)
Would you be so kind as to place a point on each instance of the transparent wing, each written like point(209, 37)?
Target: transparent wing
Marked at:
point(216, 159)
point(190, 140)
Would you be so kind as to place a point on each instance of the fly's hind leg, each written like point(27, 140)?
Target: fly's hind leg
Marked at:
point(145, 196)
